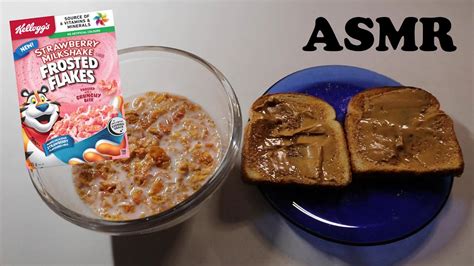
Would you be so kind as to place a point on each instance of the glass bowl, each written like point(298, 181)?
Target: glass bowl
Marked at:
point(156, 68)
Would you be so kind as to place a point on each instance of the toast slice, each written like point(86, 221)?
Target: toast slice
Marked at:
point(402, 131)
point(294, 139)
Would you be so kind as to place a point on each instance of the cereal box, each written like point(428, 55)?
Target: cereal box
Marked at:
point(68, 85)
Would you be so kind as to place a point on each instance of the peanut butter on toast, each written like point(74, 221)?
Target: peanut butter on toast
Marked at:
point(294, 139)
point(401, 130)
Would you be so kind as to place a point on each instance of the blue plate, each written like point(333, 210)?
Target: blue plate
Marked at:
point(364, 213)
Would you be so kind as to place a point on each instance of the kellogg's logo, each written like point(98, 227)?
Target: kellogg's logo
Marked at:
point(30, 28)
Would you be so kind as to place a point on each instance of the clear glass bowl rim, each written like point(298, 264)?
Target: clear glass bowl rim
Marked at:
point(163, 219)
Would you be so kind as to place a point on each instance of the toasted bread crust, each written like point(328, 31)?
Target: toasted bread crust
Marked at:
point(257, 129)
point(361, 166)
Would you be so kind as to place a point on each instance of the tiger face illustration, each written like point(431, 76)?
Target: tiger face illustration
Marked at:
point(38, 116)
point(38, 112)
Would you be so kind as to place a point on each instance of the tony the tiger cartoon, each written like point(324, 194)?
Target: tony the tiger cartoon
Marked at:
point(38, 116)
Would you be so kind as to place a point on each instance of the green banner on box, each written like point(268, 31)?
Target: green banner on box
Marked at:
point(82, 32)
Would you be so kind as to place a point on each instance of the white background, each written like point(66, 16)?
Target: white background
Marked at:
point(254, 45)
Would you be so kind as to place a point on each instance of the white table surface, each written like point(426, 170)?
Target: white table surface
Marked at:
point(254, 45)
